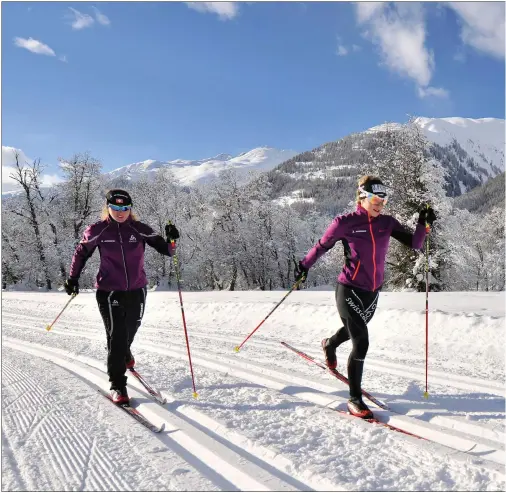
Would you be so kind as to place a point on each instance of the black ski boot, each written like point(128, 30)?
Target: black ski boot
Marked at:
point(357, 407)
point(330, 355)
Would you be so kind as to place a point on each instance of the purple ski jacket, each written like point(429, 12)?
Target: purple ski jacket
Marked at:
point(365, 240)
point(121, 247)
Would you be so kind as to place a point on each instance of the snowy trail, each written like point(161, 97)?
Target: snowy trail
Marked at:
point(264, 420)
point(238, 469)
point(472, 440)
point(202, 340)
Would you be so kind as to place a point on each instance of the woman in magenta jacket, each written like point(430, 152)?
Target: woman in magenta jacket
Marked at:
point(121, 281)
point(365, 234)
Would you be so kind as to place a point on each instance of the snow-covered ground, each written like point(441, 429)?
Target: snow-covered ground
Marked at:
point(264, 419)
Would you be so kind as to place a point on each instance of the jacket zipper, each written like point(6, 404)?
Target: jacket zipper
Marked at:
point(123, 255)
point(356, 271)
point(373, 254)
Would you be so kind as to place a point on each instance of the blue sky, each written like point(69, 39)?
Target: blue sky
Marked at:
point(136, 81)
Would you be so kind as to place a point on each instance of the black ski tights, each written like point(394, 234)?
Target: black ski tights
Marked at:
point(122, 313)
point(356, 308)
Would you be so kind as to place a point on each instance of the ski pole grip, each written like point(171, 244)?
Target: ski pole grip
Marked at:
point(427, 225)
point(172, 242)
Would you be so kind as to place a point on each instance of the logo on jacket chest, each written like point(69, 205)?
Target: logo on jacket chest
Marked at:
point(132, 239)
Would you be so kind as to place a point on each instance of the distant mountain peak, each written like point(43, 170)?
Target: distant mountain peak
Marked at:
point(259, 159)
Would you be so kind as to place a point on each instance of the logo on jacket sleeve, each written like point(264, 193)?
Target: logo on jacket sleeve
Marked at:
point(132, 239)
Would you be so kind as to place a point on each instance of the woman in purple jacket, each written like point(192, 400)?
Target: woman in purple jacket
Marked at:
point(121, 280)
point(365, 234)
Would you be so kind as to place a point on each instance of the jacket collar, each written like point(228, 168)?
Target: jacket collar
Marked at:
point(361, 210)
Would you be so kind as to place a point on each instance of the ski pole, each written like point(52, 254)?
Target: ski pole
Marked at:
point(238, 348)
point(427, 230)
point(72, 296)
point(176, 268)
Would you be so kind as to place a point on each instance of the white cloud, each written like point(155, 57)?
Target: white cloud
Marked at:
point(34, 46)
point(225, 10)
point(366, 10)
point(8, 163)
point(483, 25)
point(80, 20)
point(63, 59)
point(439, 92)
point(399, 31)
point(356, 47)
point(101, 18)
point(341, 51)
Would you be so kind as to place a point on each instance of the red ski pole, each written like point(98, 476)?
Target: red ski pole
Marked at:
point(238, 348)
point(427, 230)
point(49, 327)
point(176, 268)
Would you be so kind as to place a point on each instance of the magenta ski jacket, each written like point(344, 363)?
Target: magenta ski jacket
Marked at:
point(365, 240)
point(121, 247)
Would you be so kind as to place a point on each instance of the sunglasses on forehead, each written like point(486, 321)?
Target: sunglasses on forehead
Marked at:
point(372, 198)
point(120, 207)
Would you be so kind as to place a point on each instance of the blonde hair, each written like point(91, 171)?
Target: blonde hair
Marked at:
point(362, 181)
point(105, 213)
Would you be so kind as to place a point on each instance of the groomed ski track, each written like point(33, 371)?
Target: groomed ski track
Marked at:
point(217, 449)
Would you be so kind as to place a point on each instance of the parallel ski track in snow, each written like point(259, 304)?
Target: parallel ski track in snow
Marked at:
point(464, 442)
point(224, 457)
point(72, 456)
point(437, 377)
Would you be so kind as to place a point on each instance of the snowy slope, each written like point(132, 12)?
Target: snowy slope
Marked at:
point(201, 171)
point(482, 138)
point(264, 419)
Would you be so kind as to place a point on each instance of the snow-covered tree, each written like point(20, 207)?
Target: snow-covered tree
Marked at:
point(28, 176)
point(415, 180)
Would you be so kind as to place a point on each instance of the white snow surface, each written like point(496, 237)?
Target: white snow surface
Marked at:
point(189, 172)
point(482, 138)
point(265, 419)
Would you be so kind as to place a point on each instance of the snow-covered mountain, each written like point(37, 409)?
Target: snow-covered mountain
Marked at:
point(189, 172)
point(471, 150)
point(481, 138)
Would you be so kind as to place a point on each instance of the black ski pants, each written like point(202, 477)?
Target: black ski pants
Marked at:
point(356, 308)
point(122, 313)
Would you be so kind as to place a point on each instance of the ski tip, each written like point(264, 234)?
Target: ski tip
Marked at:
point(237, 349)
point(48, 328)
point(195, 395)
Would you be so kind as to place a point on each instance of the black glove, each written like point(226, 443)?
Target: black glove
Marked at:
point(71, 286)
point(300, 273)
point(427, 215)
point(171, 232)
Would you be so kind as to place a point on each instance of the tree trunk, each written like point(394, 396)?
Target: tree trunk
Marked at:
point(233, 280)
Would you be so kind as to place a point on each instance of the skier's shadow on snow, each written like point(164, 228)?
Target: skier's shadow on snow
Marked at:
point(453, 404)
point(254, 405)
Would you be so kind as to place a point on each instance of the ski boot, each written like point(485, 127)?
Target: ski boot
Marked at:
point(330, 355)
point(357, 407)
point(120, 396)
point(130, 360)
